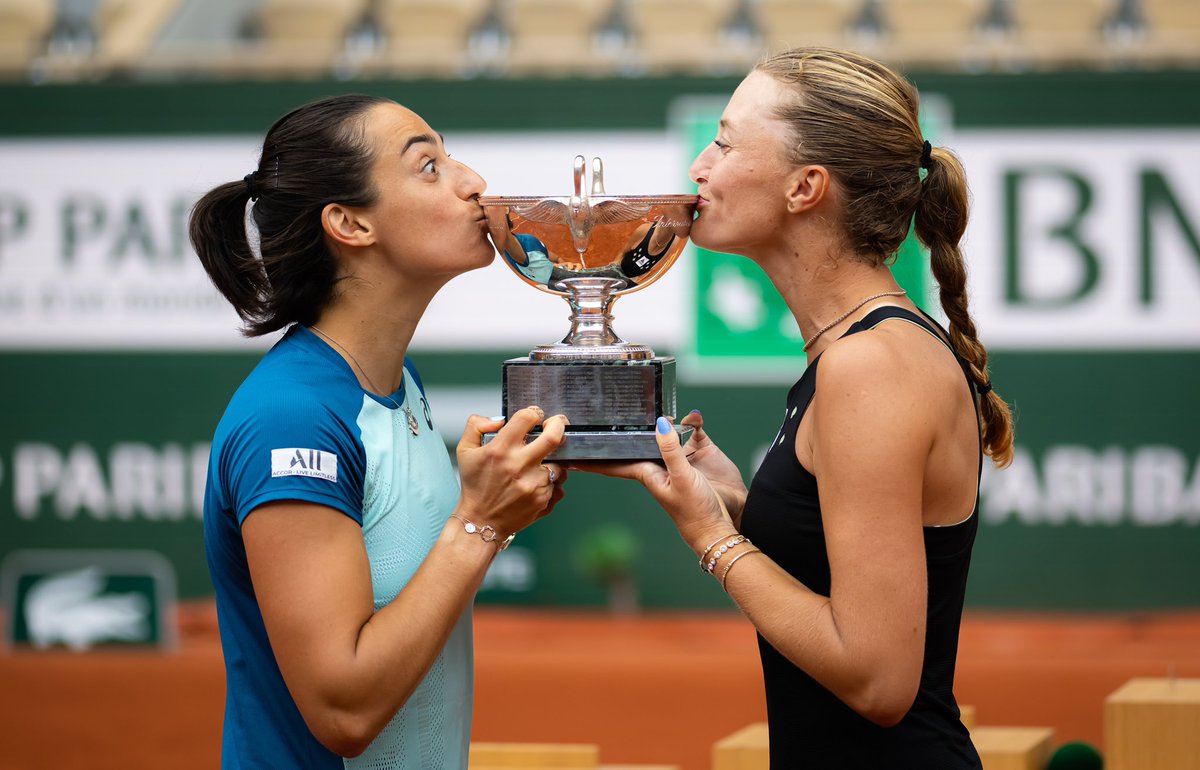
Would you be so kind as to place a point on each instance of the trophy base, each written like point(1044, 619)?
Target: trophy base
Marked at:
point(607, 445)
point(612, 405)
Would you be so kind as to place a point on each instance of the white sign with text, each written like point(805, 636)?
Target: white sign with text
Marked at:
point(1078, 239)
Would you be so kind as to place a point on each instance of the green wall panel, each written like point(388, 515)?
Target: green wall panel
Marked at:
point(1100, 511)
point(994, 100)
point(86, 407)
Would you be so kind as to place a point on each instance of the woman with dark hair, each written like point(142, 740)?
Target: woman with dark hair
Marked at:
point(849, 551)
point(344, 553)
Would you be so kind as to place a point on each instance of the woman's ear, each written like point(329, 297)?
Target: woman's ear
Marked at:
point(346, 226)
point(807, 187)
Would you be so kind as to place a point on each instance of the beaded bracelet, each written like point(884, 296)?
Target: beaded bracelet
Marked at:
point(714, 544)
point(732, 542)
point(733, 561)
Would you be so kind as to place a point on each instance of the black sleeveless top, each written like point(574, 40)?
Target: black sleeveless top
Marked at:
point(809, 726)
point(637, 261)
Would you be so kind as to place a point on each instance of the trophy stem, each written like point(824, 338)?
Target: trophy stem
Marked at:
point(591, 335)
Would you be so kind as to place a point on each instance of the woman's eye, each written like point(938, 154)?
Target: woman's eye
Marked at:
point(430, 167)
point(720, 144)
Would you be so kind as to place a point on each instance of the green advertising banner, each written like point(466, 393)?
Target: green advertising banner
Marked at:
point(82, 599)
point(117, 358)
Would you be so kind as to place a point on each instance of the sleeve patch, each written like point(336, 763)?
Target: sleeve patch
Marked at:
point(304, 462)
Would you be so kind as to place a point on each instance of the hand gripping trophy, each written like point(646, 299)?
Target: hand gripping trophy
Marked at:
point(591, 248)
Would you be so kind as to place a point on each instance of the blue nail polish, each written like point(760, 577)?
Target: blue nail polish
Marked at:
point(664, 425)
point(695, 411)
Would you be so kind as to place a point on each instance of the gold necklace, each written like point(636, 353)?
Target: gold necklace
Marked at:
point(413, 425)
point(846, 315)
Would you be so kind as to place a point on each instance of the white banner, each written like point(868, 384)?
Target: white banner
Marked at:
point(94, 251)
point(1078, 239)
point(1084, 239)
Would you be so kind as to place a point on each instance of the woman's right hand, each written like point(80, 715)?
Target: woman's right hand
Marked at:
point(722, 474)
point(505, 482)
point(349, 666)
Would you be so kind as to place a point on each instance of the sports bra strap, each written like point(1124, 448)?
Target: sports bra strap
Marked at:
point(888, 312)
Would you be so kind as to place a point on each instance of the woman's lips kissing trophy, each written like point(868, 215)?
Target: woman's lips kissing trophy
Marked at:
point(591, 248)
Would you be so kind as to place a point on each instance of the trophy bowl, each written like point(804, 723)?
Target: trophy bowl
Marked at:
point(590, 248)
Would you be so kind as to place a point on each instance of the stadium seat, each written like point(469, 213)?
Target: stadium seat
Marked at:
point(1060, 32)
point(127, 28)
point(681, 35)
point(1172, 30)
point(306, 35)
point(934, 32)
point(427, 37)
point(24, 25)
point(554, 37)
point(789, 24)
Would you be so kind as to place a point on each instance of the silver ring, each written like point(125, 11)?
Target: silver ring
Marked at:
point(553, 475)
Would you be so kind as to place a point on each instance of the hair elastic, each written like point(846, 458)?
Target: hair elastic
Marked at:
point(984, 389)
point(926, 154)
point(251, 187)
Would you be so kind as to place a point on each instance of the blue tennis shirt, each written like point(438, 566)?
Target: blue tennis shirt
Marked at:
point(302, 428)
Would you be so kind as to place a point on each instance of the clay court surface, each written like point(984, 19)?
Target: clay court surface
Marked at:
point(652, 688)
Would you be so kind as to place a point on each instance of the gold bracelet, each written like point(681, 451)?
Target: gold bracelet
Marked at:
point(487, 532)
point(715, 543)
point(733, 561)
point(732, 542)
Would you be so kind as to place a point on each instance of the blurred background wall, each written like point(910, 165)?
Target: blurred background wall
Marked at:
point(1078, 122)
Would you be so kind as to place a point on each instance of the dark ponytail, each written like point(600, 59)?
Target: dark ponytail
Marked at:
point(218, 235)
point(313, 156)
point(940, 221)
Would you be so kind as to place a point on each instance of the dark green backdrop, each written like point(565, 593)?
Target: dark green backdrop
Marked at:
point(1101, 401)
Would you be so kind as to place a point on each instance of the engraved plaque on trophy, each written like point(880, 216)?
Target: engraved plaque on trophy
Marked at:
point(590, 248)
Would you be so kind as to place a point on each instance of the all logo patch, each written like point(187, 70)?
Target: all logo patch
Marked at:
point(304, 462)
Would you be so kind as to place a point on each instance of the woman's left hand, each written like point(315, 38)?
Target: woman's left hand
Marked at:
point(683, 491)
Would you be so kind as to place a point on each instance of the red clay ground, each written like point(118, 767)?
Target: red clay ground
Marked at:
point(654, 688)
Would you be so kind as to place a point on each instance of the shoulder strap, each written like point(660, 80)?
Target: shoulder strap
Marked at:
point(888, 312)
point(923, 321)
point(879, 315)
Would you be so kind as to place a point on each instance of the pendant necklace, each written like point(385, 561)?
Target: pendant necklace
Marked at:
point(846, 315)
point(413, 425)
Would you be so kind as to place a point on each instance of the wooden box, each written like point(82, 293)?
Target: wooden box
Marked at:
point(1153, 724)
point(1013, 748)
point(747, 749)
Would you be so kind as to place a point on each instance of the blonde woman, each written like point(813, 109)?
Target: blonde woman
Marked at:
point(849, 551)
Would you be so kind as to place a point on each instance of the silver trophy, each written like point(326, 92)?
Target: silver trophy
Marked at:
point(591, 248)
